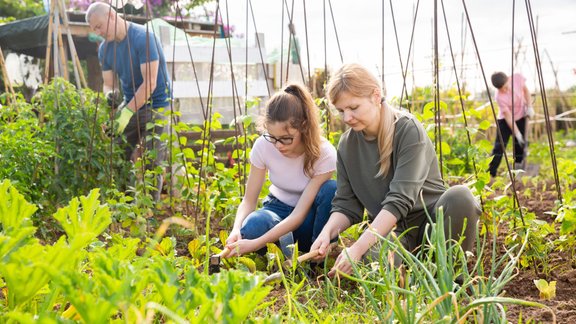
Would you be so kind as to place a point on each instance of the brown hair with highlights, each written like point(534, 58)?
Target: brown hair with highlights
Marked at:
point(295, 106)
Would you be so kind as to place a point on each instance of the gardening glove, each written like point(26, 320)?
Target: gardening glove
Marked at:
point(123, 118)
point(530, 112)
point(113, 98)
point(519, 138)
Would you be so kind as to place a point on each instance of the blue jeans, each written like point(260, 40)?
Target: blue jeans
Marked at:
point(274, 211)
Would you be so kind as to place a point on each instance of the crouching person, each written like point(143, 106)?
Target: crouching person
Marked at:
point(299, 163)
point(387, 166)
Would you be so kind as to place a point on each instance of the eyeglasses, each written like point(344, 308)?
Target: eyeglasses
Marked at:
point(282, 140)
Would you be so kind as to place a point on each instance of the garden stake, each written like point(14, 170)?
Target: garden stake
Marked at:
point(216, 261)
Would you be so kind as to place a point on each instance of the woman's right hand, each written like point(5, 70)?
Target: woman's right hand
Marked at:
point(234, 236)
point(322, 244)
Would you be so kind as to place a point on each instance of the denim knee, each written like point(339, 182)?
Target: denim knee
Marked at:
point(322, 207)
point(258, 223)
point(326, 192)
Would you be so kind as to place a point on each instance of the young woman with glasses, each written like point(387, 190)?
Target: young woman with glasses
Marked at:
point(299, 162)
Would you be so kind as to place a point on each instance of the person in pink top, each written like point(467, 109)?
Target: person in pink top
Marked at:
point(299, 162)
point(514, 103)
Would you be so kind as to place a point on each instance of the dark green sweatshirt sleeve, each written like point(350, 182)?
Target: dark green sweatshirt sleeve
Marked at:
point(345, 201)
point(414, 155)
point(414, 173)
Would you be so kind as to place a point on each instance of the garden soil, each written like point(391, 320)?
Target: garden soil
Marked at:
point(562, 307)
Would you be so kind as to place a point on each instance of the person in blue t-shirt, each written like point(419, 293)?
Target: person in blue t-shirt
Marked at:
point(132, 53)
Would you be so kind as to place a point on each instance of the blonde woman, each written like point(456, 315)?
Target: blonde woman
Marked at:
point(386, 166)
point(299, 163)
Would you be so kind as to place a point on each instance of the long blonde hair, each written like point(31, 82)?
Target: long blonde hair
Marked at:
point(359, 82)
point(294, 105)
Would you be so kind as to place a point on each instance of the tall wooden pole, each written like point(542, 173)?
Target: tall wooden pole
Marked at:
point(63, 52)
point(49, 43)
point(55, 31)
point(78, 73)
point(7, 83)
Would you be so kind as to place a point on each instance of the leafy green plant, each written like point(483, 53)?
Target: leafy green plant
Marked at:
point(540, 242)
point(13, 10)
point(85, 157)
point(84, 218)
point(25, 152)
point(566, 217)
point(16, 219)
point(80, 277)
point(27, 268)
point(441, 283)
point(55, 149)
point(547, 289)
point(226, 297)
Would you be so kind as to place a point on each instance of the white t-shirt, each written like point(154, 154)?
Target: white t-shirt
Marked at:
point(287, 174)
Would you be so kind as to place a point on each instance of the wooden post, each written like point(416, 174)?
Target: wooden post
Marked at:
point(78, 73)
point(63, 54)
point(49, 43)
point(7, 83)
point(55, 55)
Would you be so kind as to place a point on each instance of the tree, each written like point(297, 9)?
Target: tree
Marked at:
point(18, 9)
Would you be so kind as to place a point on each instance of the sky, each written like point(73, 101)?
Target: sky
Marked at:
point(359, 28)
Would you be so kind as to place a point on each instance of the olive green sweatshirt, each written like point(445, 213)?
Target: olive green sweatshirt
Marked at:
point(414, 171)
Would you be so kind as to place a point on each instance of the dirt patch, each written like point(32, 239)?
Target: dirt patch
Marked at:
point(540, 198)
point(563, 305)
